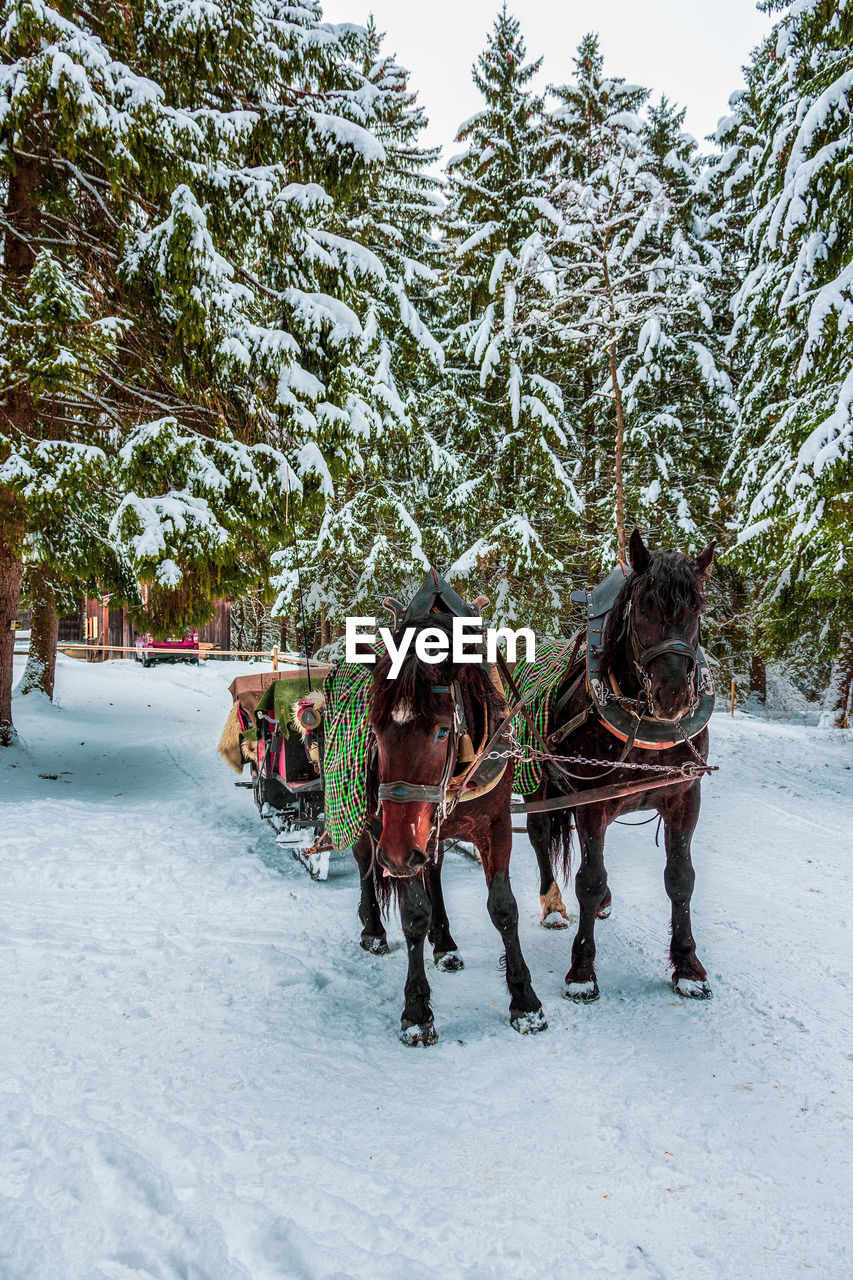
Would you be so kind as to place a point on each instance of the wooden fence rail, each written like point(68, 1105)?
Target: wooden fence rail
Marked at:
point(203, 651)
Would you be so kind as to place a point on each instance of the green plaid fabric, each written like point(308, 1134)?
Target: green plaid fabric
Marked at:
point(545, 675)
point(346, 753)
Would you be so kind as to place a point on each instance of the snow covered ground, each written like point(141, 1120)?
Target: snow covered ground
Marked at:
point(199, 1071)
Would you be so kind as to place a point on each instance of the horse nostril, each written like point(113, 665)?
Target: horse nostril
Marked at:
point(416, 858)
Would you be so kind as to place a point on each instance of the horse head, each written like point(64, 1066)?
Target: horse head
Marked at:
point(652, 634)
point(419, 721)
point(414, 721)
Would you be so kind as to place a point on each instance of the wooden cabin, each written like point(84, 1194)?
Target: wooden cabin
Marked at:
point(97, 622)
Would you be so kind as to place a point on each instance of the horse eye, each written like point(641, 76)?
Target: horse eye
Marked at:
point(441, 734)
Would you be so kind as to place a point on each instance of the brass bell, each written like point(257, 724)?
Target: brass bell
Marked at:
point(466, 750)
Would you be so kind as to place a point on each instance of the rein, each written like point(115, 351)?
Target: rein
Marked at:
point(638, 709)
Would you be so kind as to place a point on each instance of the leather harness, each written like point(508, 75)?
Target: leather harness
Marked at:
point(620, 714)
point(615, 711)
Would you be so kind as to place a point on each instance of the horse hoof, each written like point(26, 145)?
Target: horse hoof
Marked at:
point(450, 962)
point(554, 920)
point(692, 988)
point(375, 946)
point(413, 1033)
point(582, 992)
point(527, 1024)
point(603, 913)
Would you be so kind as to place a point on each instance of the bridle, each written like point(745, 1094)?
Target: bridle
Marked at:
point(402, 792)
point(642, 658)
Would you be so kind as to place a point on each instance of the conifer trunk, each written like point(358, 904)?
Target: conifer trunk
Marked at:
point(40, 671)
point(758, 676)
point(22, 219)
point(590, 517)
point(619, 454)
point(619, 451)
point(11, 572)
point(838, 703)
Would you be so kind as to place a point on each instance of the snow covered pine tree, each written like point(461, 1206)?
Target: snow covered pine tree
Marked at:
point(514, 504)
point(377, 528)
point(232, 320)
point(788, 160)
point(632, 311)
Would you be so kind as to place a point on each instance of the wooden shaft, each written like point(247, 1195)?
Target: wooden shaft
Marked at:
point(614, 791)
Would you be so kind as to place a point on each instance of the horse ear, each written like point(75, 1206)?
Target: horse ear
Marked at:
point(702, 562)
point(480, 603)
point(638, 552)
point(395, 609)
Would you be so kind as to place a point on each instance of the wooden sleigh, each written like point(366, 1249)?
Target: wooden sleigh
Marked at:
point(275, 726)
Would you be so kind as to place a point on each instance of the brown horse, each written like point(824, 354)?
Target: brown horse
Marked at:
point(419, 720)
point(649, 654)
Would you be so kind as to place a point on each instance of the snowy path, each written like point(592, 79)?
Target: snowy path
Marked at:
point(199, 1075)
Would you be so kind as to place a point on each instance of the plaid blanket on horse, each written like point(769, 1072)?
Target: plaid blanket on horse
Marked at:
point(345, 760)
point(545, 675)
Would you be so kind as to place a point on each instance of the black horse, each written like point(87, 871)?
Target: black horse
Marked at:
point(649, 660)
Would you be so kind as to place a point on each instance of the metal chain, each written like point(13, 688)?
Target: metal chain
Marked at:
point(518, 752)
point(696, 754)
point(527, 752)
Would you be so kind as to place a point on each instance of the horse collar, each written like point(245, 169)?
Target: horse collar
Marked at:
point(610, 704)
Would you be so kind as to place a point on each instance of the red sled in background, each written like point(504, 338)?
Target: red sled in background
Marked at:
point(149, 651)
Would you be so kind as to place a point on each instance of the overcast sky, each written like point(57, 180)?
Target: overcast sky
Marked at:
point(691, 50)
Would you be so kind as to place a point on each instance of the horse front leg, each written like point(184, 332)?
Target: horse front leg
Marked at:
point(445, 953)
point(592, 895)
point(416, 1025)
point(373, 936)
point(525, 1007)
point(554, 915)
point(680, 817)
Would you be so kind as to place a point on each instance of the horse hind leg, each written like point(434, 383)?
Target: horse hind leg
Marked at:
point(554, 915)
point(445, 952)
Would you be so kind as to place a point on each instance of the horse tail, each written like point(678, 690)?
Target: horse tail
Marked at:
point(560, 842)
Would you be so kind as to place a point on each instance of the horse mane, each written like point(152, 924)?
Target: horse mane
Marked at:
point(415, 684)
point(672, 581)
